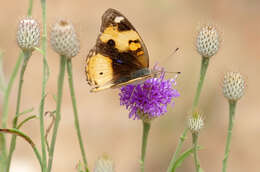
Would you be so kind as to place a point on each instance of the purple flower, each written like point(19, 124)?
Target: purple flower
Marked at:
point(149, 98)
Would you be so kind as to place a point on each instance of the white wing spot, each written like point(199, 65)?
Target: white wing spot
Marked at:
point(118, 19)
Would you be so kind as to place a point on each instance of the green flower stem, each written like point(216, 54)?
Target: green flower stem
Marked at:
point(76, 118)
point(7, 92)
point(3, 154)
point(203, 70)
point(58, 109)
point(17, 132)
point(44, 82)
point(232, 108)
point(29, 12)
point(178, 149)
point(146, 128)
point(2, 77)
point(27, 55)
point(195, 152)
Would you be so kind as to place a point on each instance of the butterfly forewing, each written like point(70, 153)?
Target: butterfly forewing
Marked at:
point(118, 55)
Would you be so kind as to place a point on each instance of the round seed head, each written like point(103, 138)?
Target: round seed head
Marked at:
point(196, 122)
point(64, 40)
point(233, 86)
point(104, 164)
point(208, 41)
point(28, 34)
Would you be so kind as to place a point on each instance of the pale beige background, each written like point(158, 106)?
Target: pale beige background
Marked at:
point(164, 26)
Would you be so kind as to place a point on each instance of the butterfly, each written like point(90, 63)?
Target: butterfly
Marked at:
point(119, 56)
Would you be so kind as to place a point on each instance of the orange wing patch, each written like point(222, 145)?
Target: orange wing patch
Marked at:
point(134, 46)
point(121, 38)
point(99, 70)
point(119, 56)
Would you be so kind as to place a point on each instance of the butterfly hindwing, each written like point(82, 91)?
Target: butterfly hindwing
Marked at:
point(119, 53)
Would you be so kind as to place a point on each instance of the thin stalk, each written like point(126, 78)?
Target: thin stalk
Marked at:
point(29, 12)
point(44, 82)
point(27, 55)
point(203, 70)
point(76, 118)
point(232, 108)
point(195, 152)
point(3, 156)
point(146, 128)
point(2, 77)
point(178, 149)
point(7, 92)
point(58, 109)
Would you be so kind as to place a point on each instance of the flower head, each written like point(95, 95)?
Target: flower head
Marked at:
point(149, 99)
point(64, 39)
point(104, 164)
point(208, 41)
point(196, 122)
point(233, 86)
point(28, 34)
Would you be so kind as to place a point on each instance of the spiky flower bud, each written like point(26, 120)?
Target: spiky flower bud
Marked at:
point(196, 122)
point(28, 34)
point(208, 41)
point(104, 164)
point(64, 40)
point(233, 86)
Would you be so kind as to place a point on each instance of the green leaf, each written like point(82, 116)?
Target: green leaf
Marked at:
point(26, 120)
point(182, 157)
point(23, 113)
point(39, 50)
point(26, 111)
point(19, 133)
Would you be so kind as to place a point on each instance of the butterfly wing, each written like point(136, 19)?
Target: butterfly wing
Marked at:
point(119, 55)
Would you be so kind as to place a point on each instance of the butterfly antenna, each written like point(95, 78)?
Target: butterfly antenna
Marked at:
point(175, 76)
point(173, 72)
point(172, 54)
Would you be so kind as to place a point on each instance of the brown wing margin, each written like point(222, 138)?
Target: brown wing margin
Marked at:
point(140, 55)
point(108, 18)
point(122, 47)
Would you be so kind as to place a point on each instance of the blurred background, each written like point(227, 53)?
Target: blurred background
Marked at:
point(164, 25)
